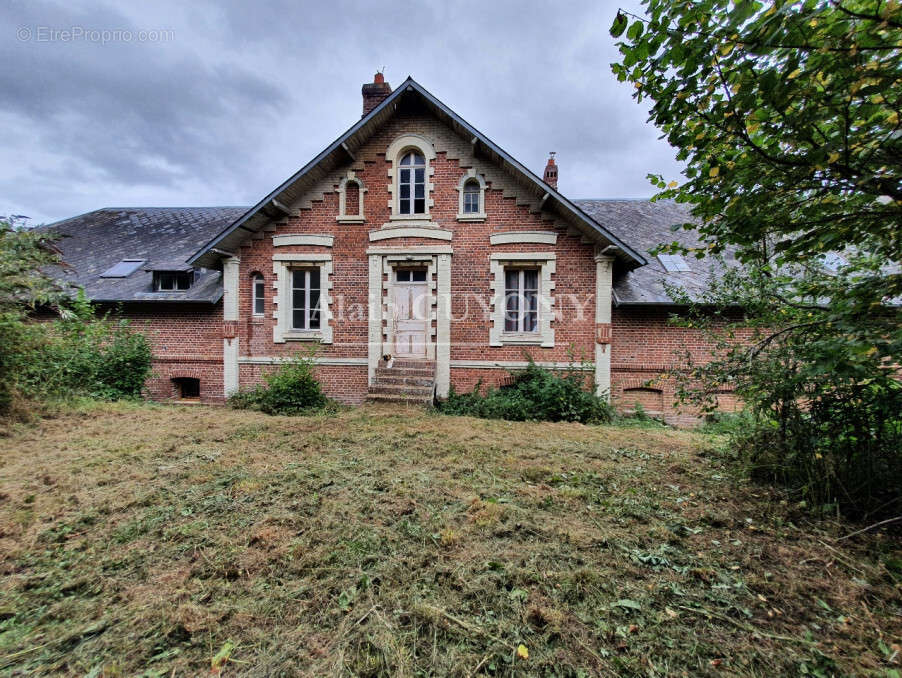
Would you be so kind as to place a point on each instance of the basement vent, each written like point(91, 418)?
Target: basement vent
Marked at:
point(123, 269)
point(673, 263)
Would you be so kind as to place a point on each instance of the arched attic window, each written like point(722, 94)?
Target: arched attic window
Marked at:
point(412, 184)
point(471, 202)
point(350, 199)
point(411, 156)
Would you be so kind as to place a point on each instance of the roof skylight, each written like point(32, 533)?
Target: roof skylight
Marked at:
point(123, 269)
point(673, 263)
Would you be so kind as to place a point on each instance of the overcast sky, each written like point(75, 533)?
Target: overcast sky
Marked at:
point(190, 103)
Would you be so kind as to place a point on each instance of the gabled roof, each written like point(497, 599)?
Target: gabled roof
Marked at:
point(342, 150)
point(163, 237)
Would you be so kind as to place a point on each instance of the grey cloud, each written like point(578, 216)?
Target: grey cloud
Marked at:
point(246, 93)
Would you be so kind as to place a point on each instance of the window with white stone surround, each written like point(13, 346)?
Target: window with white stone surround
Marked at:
point(303, 299)
point(471, 197)
point(522, 299)
point(350, 199)
point(411, 184)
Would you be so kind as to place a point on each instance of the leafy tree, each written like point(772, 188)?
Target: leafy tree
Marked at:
point(78, 353)
point(786, 115)
point(24, 285)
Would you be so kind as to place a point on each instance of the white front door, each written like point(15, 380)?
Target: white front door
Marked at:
point(410, 303)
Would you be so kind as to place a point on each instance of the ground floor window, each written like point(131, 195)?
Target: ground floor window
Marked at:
point(521, 294)
point(259, 294)
point(305, 292)
point(187, 388)
point(522, 298)
point(302, 302)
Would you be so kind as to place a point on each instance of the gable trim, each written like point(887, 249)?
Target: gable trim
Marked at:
point(410, 85)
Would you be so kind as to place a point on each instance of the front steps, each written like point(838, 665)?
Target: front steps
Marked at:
point(406, 381)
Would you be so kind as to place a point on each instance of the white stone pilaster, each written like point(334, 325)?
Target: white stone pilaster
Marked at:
point(443, 326)
point(230, 283)
point(374, 334)
point(604, 268)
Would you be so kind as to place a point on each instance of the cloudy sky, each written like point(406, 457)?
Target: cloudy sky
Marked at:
point(172, 104)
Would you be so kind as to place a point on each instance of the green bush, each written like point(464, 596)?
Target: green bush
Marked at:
point(82, 355)
point(291, 389)
point(842, 451)
point(536, 394)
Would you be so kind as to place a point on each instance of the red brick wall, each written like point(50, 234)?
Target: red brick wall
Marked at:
point(645, 347)
point(344, 383)
point(186, 340)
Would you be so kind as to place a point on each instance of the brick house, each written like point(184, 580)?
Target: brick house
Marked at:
point(414, 254)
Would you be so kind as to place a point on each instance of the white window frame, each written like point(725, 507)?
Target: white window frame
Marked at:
point(307, 289)
point(283, 267)
point(258, 294)
point(521, 293)
point(546, 263)
point(417, 163)
point(471, 176)
point(397, 150)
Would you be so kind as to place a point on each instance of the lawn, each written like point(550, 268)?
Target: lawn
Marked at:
point(153, 540)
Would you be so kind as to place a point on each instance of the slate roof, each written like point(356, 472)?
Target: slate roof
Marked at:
point(165, 237)
point(645, 225)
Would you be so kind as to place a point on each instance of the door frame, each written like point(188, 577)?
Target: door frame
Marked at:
point(423, 294)
point(437, 257)
point(392, 265)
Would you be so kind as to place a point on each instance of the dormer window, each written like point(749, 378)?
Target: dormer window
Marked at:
point(172, 281)
point(412, 184)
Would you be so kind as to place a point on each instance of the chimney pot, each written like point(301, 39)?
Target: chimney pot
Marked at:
point(374, 93)
point(550, 177)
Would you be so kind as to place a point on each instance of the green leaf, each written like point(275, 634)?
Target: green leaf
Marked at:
point(618, 26)
point(635, 31)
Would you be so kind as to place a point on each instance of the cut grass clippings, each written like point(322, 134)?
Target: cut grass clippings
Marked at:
point(150, 540)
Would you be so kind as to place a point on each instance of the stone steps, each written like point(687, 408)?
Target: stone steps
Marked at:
point(406, 381)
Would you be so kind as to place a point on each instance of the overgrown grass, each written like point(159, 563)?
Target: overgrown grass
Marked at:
point(151, 540)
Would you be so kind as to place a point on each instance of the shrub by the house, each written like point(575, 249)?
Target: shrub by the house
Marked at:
point(82, 355)
point(291, 389)
point(535, 394)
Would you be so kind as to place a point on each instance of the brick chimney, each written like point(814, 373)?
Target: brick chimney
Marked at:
point(551, 172)
point(375, 92)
